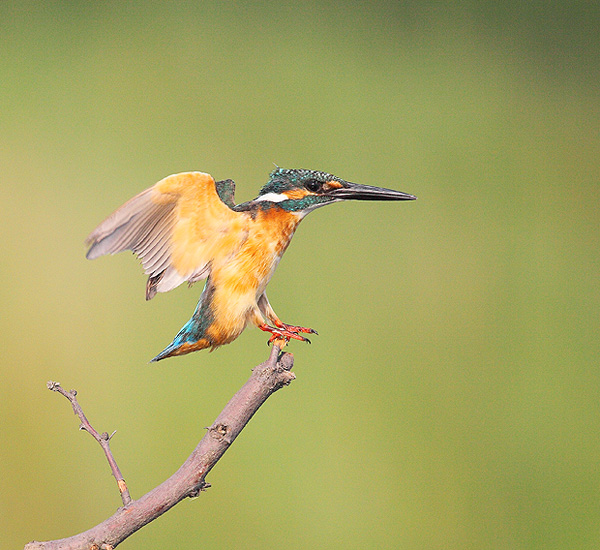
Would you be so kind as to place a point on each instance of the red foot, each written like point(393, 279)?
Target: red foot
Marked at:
point(296, 329)
point(285, 332)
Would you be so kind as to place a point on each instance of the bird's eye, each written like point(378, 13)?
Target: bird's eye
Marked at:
point(313, 185)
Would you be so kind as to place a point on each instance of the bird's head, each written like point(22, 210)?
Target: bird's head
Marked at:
point(304, 190)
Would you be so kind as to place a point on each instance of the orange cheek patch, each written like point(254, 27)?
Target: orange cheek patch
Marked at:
point(295, 194)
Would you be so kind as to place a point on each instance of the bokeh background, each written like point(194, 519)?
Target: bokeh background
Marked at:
point(451, 400)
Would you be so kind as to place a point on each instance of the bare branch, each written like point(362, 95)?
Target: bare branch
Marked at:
point(103, 439)
point(189, 480)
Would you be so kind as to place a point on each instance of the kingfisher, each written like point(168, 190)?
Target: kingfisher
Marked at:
point(187, 227)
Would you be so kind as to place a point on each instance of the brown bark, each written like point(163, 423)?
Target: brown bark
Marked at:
point(189, 479)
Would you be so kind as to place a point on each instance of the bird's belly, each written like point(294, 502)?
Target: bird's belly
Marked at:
point(238, 286)
point(240, 281)
point(268, 273)
point(231, 306)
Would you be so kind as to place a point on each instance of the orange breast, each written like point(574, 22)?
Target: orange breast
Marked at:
point(241, 281)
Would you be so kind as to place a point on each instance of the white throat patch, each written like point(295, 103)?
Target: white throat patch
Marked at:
point(272, 197)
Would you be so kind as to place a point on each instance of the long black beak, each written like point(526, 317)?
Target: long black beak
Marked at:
point(355, 191)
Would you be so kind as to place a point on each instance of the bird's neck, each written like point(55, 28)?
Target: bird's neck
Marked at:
point(277, 223)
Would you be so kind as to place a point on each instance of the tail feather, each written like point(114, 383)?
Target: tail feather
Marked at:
point(193, 336)
point(169, 351)
point(180, 346)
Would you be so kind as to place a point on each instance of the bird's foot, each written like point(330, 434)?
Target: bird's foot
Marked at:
point(284, 334)
point(296, 329)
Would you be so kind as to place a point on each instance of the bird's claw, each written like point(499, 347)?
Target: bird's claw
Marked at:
point(283, 333)
point(296, 329)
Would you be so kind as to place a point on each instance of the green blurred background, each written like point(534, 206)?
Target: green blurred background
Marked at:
point(451, 400)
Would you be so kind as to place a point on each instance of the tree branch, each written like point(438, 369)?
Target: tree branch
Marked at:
point(103, 439)
point(189, 480)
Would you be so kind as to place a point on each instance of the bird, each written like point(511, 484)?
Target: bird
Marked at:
point(187, 228)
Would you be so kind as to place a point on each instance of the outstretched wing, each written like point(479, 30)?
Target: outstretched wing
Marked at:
point(176, 227)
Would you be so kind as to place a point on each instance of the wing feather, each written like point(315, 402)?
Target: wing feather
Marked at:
point(177, 227)
point(157, 260)
point(115, 222)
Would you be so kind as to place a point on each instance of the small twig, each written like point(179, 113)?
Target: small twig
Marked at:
point(189, 479)
point(103, 438)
